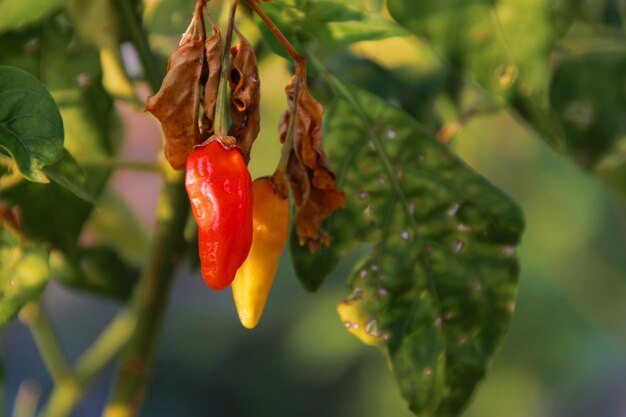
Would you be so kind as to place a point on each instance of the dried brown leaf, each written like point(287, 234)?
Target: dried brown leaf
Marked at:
point(246, 96)
point(311, 179)
point(176, 105)
point(213, 56)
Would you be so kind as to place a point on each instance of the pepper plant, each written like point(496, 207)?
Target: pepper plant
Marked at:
point(364, 164)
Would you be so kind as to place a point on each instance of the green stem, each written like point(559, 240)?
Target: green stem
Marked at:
point(278, 178)
point(298, 59)
point(108, 344)
point(221, 123)
point(63, 399)
point(151, 68)
point(150, 299)
point(26, 400)
point(50, 350)
point(67, 393)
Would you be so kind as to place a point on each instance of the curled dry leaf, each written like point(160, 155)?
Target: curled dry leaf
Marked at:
point(177, 103)
point(311, 179)
point(213, 56)
point(246, 95)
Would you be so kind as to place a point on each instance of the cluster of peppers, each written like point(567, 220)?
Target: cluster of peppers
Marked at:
point(242, 225)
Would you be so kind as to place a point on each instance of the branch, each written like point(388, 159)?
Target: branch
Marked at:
point(50, 350)
point(151, 298)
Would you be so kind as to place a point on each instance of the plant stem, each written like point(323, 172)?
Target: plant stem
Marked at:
point(278, 178)
point(27, 399)
point(221, 124)
point(298, 59)
point(150, 299)
point(67, 393)
point(109, 342)
point(50, 350)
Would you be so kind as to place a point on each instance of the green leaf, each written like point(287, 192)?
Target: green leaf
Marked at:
point(15, 14)
point(69, 174)
point(23, 272)
point(31, 129)
point(329, 22)
point(437, 291)
point(588, 93)
point(98, 270)
point(503, 45)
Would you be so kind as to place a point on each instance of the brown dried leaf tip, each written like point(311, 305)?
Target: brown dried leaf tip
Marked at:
point(311, 179)
point(177, 102)
point(246, 95)
point(196, 62)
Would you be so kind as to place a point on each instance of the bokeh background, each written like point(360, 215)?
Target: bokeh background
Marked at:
point(565, 354)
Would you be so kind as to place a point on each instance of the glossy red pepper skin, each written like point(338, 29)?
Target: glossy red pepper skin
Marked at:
point(220, 191)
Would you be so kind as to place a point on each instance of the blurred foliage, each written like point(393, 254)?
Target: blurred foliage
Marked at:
point(71, 72)
point(484, 72)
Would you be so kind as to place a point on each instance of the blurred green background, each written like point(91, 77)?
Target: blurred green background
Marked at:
point(565, 354)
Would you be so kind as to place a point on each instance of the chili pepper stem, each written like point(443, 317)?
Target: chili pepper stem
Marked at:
point(221, 124)
point(199, 8)
point(299, 60)
point(278, 178)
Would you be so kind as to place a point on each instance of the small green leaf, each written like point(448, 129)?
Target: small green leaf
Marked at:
point(437, 291)
point(31, 129)
point(588, 93)
point(15, 14)
point(23, 272)
point(69, 174)
point(98, 270)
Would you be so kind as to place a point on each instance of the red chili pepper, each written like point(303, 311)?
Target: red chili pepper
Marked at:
point(220, 192)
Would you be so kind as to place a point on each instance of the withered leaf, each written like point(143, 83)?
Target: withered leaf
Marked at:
point(213, 56)
point(311, 179)
point(246, 96)
point(176, 105)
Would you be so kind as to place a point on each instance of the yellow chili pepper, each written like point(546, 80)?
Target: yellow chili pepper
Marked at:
point(254, 278)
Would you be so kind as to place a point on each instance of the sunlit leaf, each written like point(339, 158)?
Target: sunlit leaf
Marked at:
point(15, 14)
point(23, 272)
point(438, 289)
point(31, 129)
